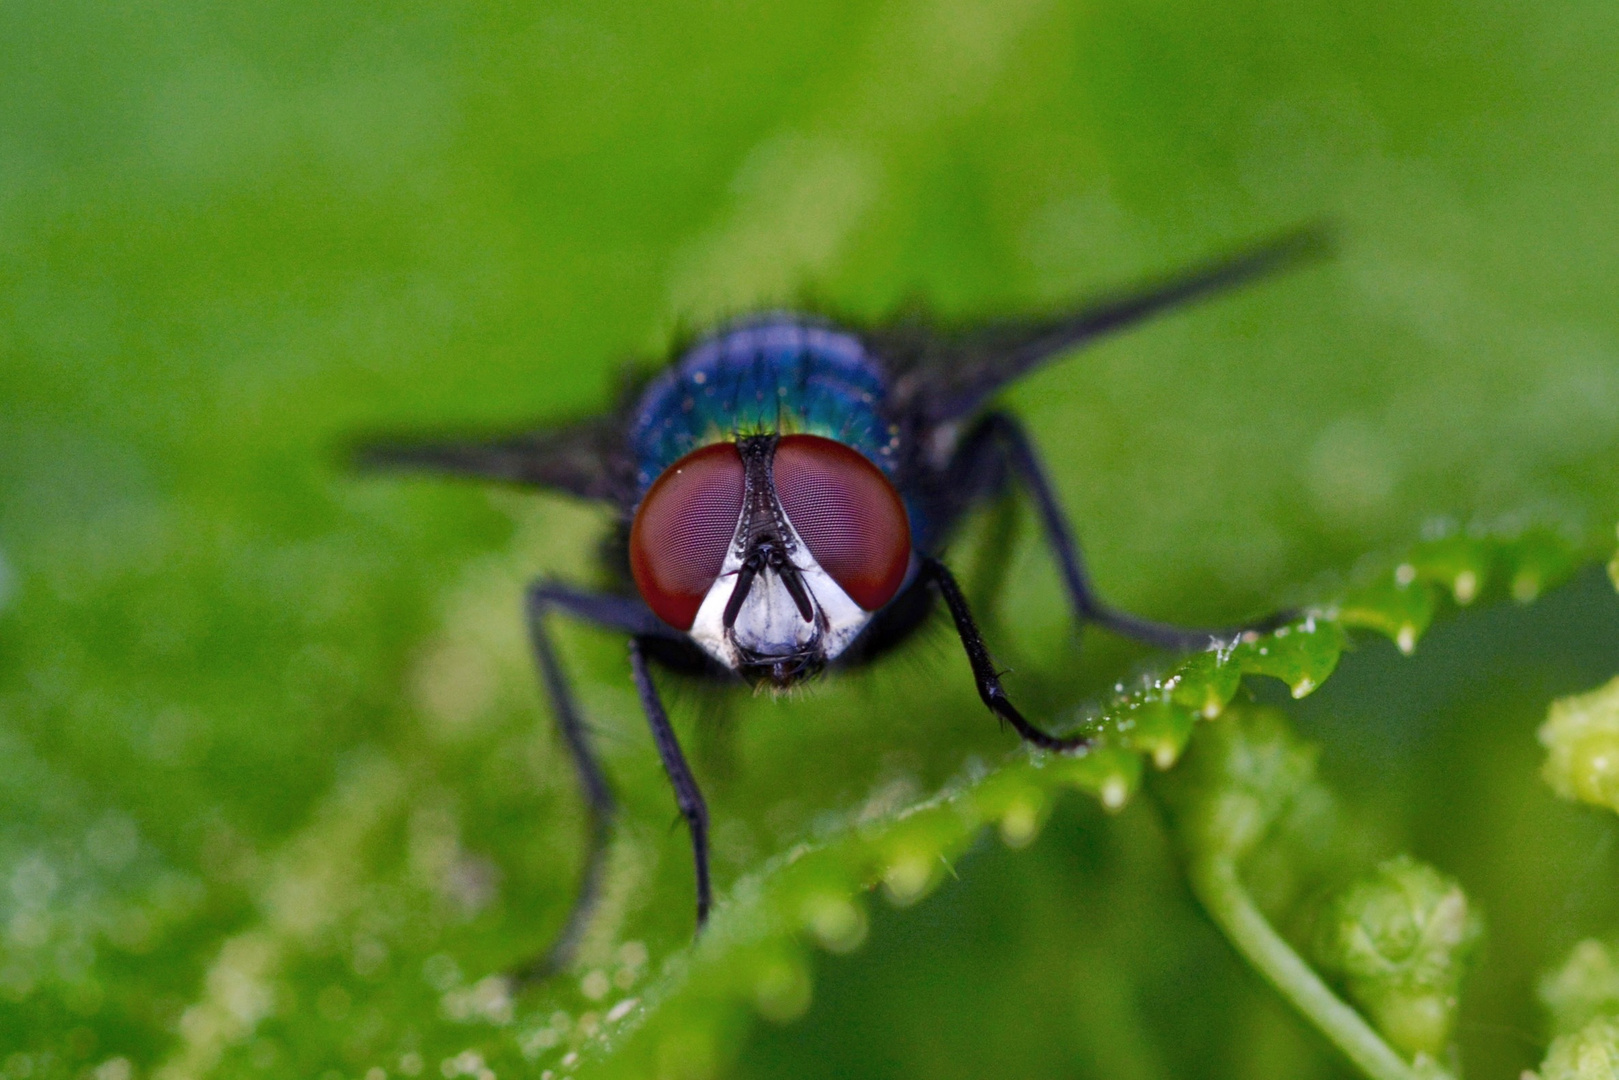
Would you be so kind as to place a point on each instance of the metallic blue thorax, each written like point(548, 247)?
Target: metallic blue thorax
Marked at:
point(777, 375)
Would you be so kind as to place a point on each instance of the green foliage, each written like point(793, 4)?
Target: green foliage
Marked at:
point(1401, 938)
point(1581, 736)
point(1583, 988)
point(1242, 780)
point(1248, 776)
point(1591, 1053)
point(279, 796)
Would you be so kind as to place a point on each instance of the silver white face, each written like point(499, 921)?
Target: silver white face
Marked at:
point(770, 634)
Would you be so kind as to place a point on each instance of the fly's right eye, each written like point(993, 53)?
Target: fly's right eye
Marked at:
point(683, 529)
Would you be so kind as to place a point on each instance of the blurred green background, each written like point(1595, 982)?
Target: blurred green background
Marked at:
point(255, 710)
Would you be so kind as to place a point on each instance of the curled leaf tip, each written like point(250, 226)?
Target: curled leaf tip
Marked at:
point(1591, 1053)
point(909, 877)
point(1584, 986)
point(837, 922)
point(1464, 587)
point(1115, 793)
point(1401, 939)
point(1613, 569)
point(782, 989)
point(1581, 736)
point(1021, 821)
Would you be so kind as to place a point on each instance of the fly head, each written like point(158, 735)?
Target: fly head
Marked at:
point(817, 542)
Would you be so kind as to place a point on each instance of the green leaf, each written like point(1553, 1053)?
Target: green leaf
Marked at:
point(780, 909)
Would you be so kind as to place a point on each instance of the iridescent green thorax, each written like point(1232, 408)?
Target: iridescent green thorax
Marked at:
point(776, 375)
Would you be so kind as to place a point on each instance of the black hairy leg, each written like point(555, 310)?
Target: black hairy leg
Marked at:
point(688, 797)
point(613, 613)
point(998, 445)
point(984, 673)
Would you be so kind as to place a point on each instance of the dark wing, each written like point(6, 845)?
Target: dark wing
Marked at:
point(953, 376)
point(586, 458)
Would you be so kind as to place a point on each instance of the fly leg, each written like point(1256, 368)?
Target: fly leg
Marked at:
point(687, 796)
point(998, 442)
point(984, 673)
point(614, 613)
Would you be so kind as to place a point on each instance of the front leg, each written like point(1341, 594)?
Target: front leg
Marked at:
point(687, 795)
point(984, 673)
point(997, 443)
point(612, 613)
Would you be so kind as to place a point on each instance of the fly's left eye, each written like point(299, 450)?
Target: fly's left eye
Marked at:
point(848, 514)
point(683, 529)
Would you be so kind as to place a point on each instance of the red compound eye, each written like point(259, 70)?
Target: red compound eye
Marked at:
point(848, 513)
point(682, 530)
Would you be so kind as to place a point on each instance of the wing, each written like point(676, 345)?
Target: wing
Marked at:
point(949, 377)
point(586, 458)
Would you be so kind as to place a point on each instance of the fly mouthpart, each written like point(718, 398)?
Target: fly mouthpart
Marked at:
point(780, 672)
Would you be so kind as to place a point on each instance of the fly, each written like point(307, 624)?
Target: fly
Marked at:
point(783, 489)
